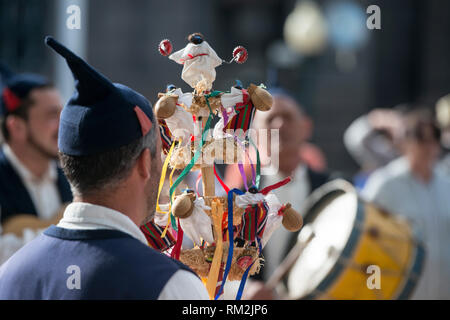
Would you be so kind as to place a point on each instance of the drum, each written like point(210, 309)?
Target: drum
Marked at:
point(357, 252)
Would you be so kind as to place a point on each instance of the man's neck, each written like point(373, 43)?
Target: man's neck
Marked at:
point(111, 201)
point(33, 160)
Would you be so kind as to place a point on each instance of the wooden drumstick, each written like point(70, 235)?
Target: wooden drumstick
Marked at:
point(290, 259)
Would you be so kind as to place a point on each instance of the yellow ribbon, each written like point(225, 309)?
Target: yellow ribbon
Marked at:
point(216, 214)
point(163, 234)
point(161, 184)
point(163, 177)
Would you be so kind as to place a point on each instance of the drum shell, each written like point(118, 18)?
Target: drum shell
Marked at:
point(377, 239)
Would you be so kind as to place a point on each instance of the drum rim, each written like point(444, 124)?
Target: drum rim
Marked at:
point(414, 273)
point(340, 264)
point(353, 239)
point(327, 189)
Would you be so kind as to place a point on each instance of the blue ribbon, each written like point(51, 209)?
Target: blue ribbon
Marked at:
point(230, 238)
point(245, 275)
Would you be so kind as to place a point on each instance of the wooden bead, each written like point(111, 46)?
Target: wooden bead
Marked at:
point(166, 105)
point(292, 220)
point(261, 98)
point(183, 206)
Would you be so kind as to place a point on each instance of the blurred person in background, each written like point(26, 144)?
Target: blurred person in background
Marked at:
point(31, 182)
point(443, 118)
point(373, 141)
point(287, 116)
point(411, 186)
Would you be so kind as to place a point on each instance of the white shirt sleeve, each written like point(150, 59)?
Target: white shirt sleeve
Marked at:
point(184, 285)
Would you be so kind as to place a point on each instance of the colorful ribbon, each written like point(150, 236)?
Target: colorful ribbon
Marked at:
point(274, 186)
point(230, 237)
point(224, 186)
point(196, 155)
point(175, 254)
point(258, 165)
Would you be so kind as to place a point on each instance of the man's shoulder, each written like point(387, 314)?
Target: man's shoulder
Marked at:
point(145, 267)
point(5, 166)
point(118, 246)
point(386, 180)
point(395, 170)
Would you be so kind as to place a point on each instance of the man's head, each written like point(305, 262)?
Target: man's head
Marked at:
point(108, 142)
point(294, 128)
point(136, 166)
point(422, 138)
point(31, 108)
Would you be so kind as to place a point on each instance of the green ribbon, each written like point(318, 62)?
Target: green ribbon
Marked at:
point(194, 158)
point(258, 164)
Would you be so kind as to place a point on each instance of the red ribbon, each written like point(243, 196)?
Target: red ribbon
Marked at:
point(175, 254)
point(224, 186)
point(277, 185)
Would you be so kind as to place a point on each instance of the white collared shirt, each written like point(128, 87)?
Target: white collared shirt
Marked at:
point(183, 285)
point(43, 191)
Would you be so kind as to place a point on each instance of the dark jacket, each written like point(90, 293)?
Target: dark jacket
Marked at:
point(14, 197)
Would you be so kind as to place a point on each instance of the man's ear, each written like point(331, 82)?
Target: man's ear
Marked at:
point(144, 164)
point(17, 128)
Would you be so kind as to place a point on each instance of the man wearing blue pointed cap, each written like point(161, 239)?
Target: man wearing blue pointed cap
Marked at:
point(110, 152)
point(30, 181)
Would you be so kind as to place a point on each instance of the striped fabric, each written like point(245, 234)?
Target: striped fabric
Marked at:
point(166, 136)
point(236, 232)
point(254, 221)
point(244, 115)
point(153, 234)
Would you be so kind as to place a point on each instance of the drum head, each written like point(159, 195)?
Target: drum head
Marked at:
point(331, 212)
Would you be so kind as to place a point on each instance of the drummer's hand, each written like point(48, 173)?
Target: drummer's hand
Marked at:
point(256, 290)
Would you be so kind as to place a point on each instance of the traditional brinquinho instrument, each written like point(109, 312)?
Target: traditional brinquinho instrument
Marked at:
point(228, 232)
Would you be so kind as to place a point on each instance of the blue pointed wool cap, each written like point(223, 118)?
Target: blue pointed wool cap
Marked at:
point(100, 115)
point(16, 87)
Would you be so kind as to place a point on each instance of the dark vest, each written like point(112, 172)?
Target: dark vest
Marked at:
point(110, 265)
point(14, 197)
